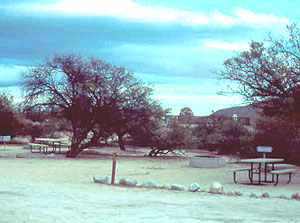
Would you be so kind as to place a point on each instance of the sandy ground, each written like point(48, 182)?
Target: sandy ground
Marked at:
point(39, 188)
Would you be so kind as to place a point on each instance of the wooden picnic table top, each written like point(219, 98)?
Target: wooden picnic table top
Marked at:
point(262, 160)
point(49, 140)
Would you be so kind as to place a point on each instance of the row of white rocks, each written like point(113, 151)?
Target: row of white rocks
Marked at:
point(216, 187)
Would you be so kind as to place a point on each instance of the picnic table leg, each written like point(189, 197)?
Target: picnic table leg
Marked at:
point(290, 177)
point(53, 147)
point(234, 177)
point(59, 147)
point(45, 150)
point(273, 168)
point(251, 175)
point(276, 180)
point(266, 171)
point(259, 173)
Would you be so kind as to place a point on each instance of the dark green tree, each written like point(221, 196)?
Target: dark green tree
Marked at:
point(186, 116)
point(173, 138)
point(139, 122)
point(8, 119)
point(268, 75)
point(223, 135)
point(93, 95)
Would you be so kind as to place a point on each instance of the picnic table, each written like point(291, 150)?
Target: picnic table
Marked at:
point(261, 167)
point(55, 143)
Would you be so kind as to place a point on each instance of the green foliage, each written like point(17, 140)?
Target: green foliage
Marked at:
point(223, 135)
point(96, 97)
point(268, 75)
point(9, 123)
point(186, 116)
point(172, 138)
point(148, 126)
point(282, 133)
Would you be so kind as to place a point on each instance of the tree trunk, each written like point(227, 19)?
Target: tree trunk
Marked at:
point(74, 151)
point(121, 142)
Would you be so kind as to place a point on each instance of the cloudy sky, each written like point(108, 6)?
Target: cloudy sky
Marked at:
point(175, 44)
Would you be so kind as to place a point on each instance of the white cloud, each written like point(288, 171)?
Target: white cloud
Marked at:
point(201, 96)
point(129, 9)
point(10, 74)
point(216, 44)
point(200, 104)
point(14, 91)
point(249, 17)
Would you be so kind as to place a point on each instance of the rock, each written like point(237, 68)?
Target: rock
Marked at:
point(164, 186)
point(216, 188)
point(230, 193)
point(51, 155)
point(253, 195)
point(283, 197)
point(149, 184)
point(116, 182)
point(295, 196)
point(267, 195)
point(26, 147)
point(177, 187)
point(127, 182)
point(20, 155)
point(193, 187)
point(100, 179)
point(237, 193)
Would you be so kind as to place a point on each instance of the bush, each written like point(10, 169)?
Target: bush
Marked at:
point(282, 133)
point(174, 137)
point(9, 123)
point(223, 135)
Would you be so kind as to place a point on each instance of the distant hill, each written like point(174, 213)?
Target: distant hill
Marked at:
point(240, 111)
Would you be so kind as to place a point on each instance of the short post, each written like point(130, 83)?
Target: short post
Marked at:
point(114, 159)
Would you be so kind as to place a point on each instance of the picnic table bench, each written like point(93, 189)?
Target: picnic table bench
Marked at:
point(283, 172)
point(240, 170)
point(37, 148)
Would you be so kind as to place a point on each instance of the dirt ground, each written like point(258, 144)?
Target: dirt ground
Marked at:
point(52, 188)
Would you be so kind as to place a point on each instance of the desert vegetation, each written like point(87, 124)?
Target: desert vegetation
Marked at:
point(93, 101)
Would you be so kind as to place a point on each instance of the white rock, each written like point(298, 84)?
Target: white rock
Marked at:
point(51, 155)
point(26, 147)
point(116, 182)
point(267, 195)
point(20, 156)
point(127, 182)
point(216, 188)
point(164, 186)
point(193, 187)
point(176, 187)
point(100, 179)
point(149, 184)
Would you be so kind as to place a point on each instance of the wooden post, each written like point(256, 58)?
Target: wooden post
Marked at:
point(114, 159)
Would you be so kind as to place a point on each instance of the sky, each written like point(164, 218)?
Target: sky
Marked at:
point(176, 45)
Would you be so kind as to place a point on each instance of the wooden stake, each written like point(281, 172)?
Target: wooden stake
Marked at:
point(114, 159)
